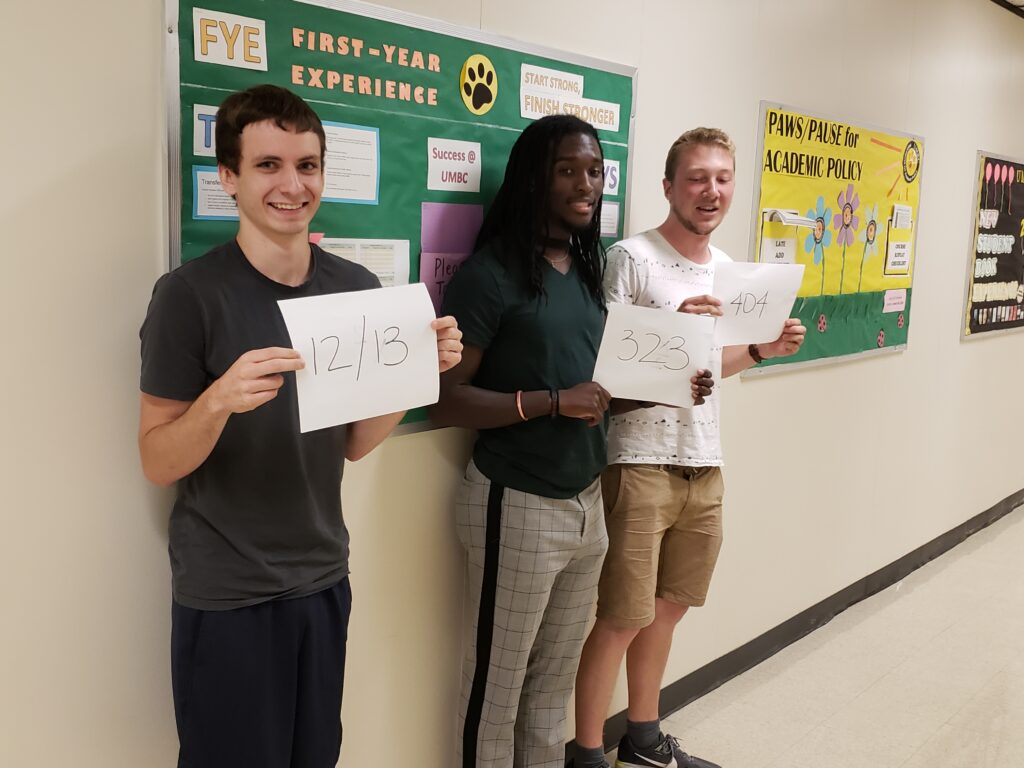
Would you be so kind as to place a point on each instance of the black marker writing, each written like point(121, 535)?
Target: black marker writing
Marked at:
point(661, 352)
point(391, 350)
point(746, 303)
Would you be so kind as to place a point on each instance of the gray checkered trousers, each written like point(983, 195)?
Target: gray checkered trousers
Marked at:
point(533, 569)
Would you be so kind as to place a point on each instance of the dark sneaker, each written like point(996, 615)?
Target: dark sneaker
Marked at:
point(665, 754)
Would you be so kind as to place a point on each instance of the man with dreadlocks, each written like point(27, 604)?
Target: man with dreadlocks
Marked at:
point(528, 512)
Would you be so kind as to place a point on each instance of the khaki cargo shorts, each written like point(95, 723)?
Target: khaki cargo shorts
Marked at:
point(664, 531)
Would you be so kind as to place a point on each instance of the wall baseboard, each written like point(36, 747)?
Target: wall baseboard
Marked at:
point(702, 681)
point(1010, 7)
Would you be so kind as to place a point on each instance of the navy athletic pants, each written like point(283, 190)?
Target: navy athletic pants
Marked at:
point(260, 687)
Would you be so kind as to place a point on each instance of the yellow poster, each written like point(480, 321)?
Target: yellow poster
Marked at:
point(842, 200)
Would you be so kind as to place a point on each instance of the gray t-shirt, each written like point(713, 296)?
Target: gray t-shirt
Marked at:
point(261, 518)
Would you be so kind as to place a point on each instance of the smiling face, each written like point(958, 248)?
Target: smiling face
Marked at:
point(279, 181)
point(819, 229)
point(577, 181)
point(847, 215)
point(872, 230)
point(701, 190)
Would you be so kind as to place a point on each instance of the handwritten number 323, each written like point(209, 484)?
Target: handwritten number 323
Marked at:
point(672, 348)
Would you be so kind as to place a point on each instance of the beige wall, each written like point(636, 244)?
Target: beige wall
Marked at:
point(831, 472)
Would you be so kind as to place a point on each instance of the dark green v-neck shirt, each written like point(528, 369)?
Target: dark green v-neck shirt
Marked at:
point(531, 343)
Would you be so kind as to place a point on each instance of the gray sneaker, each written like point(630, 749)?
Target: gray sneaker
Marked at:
point(664, 754)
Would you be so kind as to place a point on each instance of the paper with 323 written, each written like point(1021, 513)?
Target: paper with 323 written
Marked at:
point(756, 300)
point(367, 353)
point(651, 354)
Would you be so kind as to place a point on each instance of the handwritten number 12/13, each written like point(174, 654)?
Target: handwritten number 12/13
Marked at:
point(391, 350)
point(666, 348)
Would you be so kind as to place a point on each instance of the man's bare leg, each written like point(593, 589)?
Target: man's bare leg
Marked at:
point(646, 660)
point(595, 680)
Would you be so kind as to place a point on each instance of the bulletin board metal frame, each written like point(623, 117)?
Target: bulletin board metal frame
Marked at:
point(406, 24)
point(972, 253)
point(757, 226)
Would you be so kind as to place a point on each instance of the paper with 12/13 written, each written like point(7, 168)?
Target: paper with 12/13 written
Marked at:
point(756, 300)
point(367, 353)
point(651, 354)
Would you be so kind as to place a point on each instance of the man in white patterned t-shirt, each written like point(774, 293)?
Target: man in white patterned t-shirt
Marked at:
point(663, 488)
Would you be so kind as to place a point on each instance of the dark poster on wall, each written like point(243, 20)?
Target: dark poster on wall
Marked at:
point(995, 279)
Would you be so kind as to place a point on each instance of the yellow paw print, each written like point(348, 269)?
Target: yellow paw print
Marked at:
point(478, 84)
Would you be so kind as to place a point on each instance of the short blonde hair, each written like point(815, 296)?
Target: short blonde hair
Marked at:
point(714, 137)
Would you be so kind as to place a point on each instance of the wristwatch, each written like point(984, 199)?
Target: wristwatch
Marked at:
point(755, 353)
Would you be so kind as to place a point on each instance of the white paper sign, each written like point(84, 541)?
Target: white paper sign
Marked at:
point(609, 219)
point(228, 39)
point(902, 217)
point(603, 115)
point(453, 165)
point(537, 78)
point(778, 250)
point(756, 300)
point(387, 259)
point(612, 178)
point(895, 301)
point(352, 164)
point(209, 200)
point(203, 122)
point(367, 353)
point(651, 354)
point(897, 258)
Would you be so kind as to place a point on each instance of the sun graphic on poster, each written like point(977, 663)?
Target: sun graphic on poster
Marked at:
point(911, 161)
point(908, 167)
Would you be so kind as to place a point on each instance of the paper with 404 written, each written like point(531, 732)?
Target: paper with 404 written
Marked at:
point(756, 300)
point(367, 353)
point(651, 354)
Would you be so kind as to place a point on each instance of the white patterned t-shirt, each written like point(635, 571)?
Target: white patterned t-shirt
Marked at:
point(647, 271)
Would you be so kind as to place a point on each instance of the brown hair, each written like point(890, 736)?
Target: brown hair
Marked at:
point(254, 105)
point(714, 137)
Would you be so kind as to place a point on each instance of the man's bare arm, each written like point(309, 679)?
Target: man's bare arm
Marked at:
point(176, 436)
point(738, 358)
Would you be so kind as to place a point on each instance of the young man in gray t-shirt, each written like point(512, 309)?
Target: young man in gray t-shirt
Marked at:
point(258, 547)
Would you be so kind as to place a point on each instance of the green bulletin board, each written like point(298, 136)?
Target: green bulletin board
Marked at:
point(420, 117)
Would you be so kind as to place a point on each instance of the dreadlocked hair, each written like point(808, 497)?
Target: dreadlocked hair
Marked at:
point(517, 221)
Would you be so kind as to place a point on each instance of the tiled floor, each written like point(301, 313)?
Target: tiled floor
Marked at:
point(929, 672)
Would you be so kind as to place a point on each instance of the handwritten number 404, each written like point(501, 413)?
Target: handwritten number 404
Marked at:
point(747, 303)
point(391, 351)
point(660, 353)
